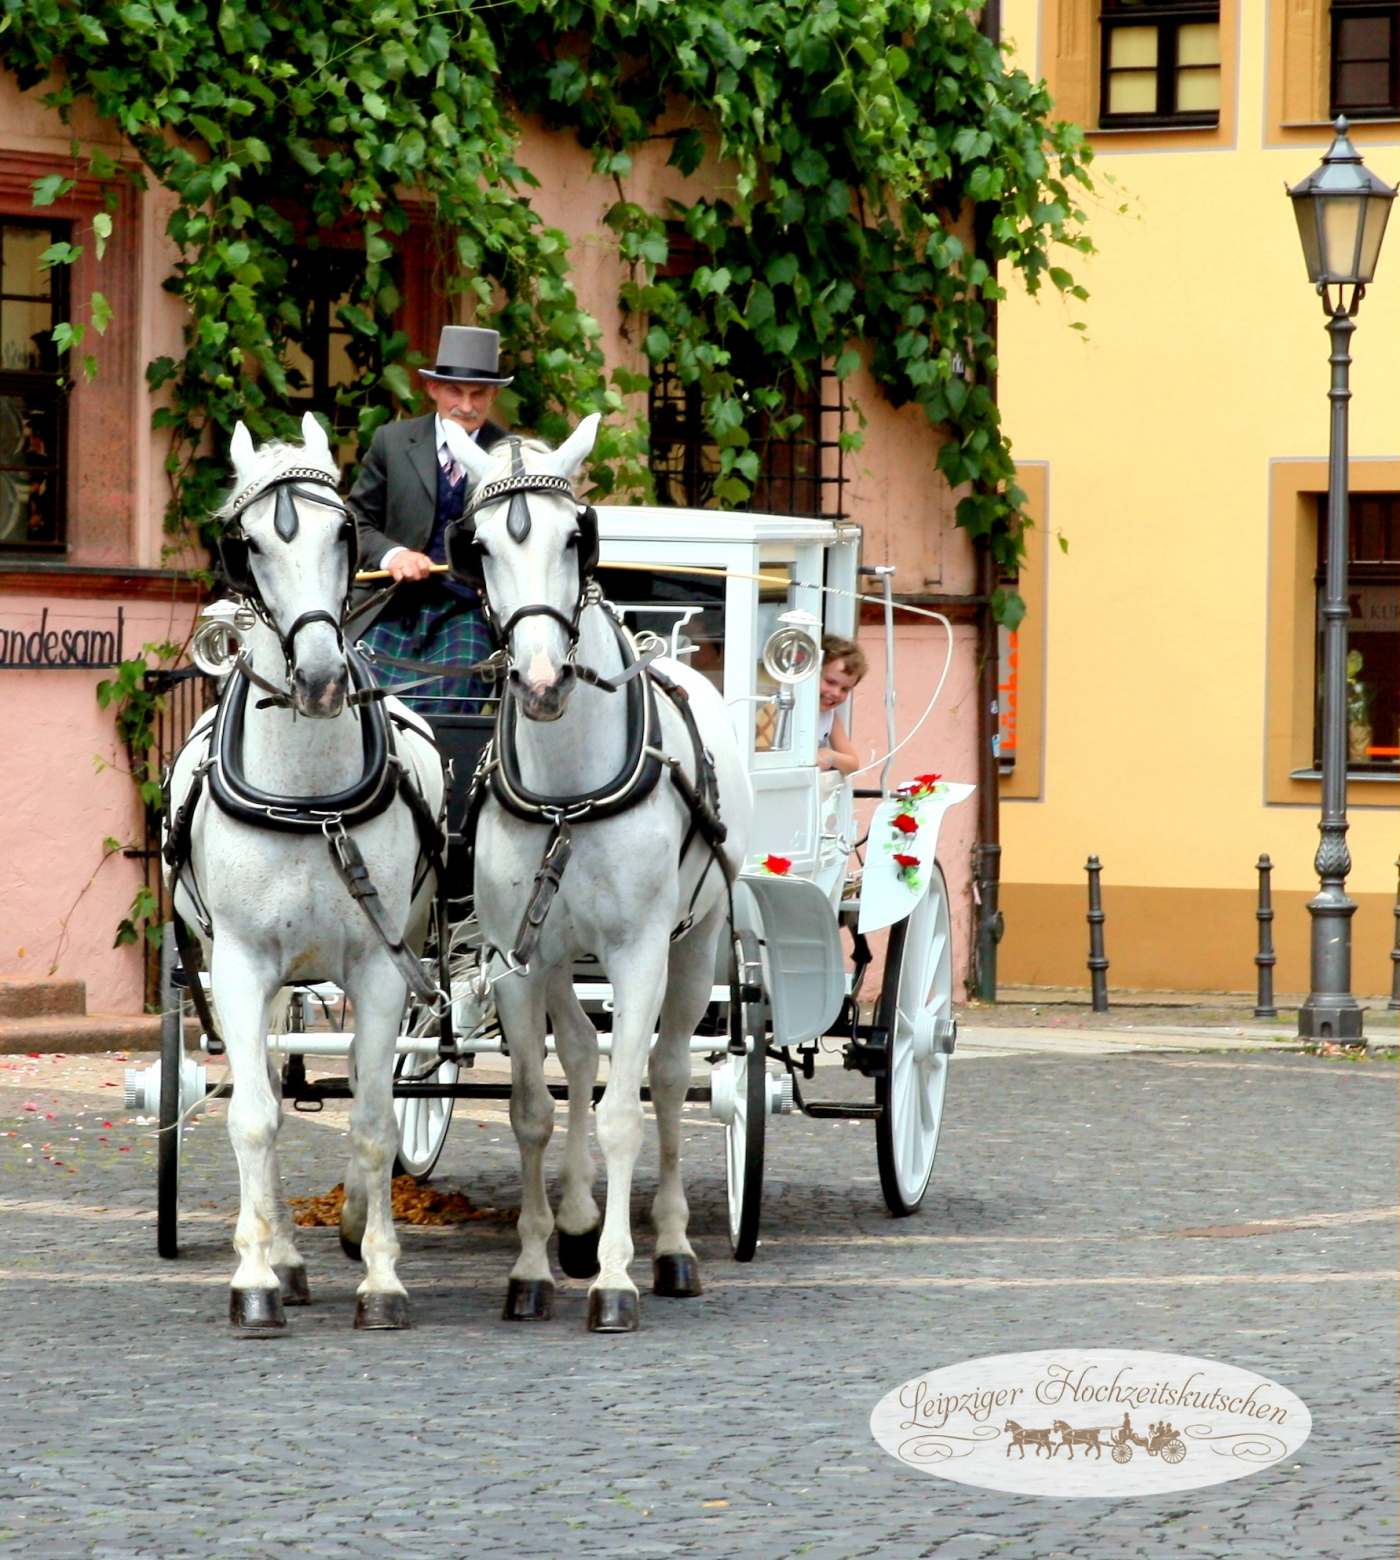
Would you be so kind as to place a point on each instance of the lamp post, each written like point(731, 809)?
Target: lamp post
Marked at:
point(1341, 211)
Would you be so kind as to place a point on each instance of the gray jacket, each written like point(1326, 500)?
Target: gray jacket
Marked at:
point(394, 499)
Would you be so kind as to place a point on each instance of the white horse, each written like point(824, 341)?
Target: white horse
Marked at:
point(620, 897)
point(270, 904)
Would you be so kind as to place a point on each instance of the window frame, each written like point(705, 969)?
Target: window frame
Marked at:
point(1168, 17)
point(1339, 13)
point(44, 386)
point(1384, 572)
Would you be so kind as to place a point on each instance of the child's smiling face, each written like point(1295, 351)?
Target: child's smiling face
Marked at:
point(837, 683)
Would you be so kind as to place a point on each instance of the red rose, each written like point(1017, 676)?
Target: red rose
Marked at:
point(905, 861)
point(927, 780)
point(777, 865)
point(906, 823)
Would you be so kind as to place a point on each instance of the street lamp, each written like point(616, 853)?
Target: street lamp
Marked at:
point(1341, 211)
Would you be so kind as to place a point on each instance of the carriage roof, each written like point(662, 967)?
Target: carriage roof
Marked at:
point(689, 527)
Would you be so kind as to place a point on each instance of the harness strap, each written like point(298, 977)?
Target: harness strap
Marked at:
point(354, 874)
point(548, 876)
point(192, 961)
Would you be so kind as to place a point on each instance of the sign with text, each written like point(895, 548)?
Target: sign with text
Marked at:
point(60, 643)
point(1090, 1422)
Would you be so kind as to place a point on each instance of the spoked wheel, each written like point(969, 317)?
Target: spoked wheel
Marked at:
point(422, 1121)
point(741, 1080)
point(916, 1012)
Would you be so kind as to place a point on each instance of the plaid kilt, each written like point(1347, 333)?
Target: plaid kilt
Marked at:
point(444, 631)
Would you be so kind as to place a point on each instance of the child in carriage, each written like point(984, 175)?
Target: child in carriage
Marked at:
point(843, 666)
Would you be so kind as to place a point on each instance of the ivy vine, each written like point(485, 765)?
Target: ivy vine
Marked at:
point(841, 153)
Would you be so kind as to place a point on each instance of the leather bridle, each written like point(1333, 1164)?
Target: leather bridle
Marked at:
point(235, 551)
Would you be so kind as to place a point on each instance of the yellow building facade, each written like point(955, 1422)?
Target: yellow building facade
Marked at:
point(1175, 455)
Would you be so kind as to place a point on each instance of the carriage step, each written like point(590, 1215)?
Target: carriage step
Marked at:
point(836, 1110)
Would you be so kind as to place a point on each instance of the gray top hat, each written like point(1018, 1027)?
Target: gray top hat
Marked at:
point(467, 354)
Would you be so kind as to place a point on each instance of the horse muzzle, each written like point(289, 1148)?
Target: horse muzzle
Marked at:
point(544, 700)
point(320, 697)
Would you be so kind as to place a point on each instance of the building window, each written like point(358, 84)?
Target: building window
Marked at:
point(1365, 78)
point(33, 402)
point(1160, 63)
point(325, 355)
point(1373, 632)
point(800, 469)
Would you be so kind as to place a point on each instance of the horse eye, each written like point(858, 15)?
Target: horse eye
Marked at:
point(252, 544)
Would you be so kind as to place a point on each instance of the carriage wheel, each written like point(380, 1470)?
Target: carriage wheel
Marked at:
point(1122, 1453)
point(1173, 1451)
point(422, 1121)
point(172, 1053)
point(916, 1012)
point(748, 1122)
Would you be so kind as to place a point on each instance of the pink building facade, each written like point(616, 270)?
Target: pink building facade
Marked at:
point(83, 551)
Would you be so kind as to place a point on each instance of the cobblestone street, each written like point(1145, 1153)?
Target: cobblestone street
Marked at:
point(1239, 1207)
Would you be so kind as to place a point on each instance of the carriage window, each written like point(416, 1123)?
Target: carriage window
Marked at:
point(33, 404)
point(1373, 633)
point(686, 610)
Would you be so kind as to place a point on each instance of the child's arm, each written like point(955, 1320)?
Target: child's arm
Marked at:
point(841, 754)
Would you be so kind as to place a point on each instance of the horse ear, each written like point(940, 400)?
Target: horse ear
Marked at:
point(313, 437)
point(240, 448)
point(576, 449)
point(465, 450)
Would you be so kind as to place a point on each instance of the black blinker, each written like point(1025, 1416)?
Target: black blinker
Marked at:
point(284, 520)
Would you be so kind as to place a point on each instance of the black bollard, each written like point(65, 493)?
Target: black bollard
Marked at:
point(1394, 1002)
point(1265, 959)
point(1098, 964)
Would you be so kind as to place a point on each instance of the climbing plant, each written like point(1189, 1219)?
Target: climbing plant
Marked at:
point(860, 179)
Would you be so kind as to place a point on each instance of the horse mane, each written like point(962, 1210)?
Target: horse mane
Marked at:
point(274, 456)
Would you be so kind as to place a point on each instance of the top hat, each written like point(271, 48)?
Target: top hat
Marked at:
point(467, 355)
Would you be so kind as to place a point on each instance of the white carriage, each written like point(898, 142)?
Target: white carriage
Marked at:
point(745, 598)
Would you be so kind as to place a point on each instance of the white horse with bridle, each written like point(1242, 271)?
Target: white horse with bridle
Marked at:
point(613, 813)
point(303, 829)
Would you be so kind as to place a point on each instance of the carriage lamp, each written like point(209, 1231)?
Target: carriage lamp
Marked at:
point(218, 641)
point(791, 655)
point(1342, 211)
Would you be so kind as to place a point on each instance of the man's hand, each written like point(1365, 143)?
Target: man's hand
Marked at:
point(408, 565)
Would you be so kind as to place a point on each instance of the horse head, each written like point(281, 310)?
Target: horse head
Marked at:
point(528, 546)
point(289, 548)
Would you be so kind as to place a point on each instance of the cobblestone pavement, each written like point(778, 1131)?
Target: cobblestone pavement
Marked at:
point(1061, 1213)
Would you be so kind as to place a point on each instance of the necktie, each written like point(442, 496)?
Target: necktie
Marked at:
point(455, 472)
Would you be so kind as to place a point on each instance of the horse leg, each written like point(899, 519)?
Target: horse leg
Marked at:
point(638, 976)
point(367, 1221)
point(521, 1007)
point(576, 1042)
point(243, 999)
point(689, 983)
point(287, 1261)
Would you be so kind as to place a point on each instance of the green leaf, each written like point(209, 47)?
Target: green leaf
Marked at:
point(48, 189)
point(1008, 608)
point(101, 315)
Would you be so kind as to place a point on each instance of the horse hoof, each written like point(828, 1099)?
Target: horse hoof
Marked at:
point(578, 1254)
point(381, 1311)
point(528, 1300)
point(291, 1281)
point(613, 1311)
point(256, 1310)
point(675, 1274)
point(351, 1248)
